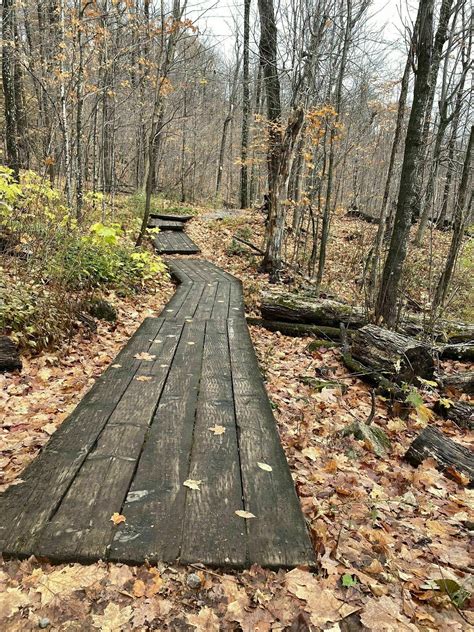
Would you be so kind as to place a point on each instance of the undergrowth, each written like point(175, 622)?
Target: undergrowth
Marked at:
point(51, 264)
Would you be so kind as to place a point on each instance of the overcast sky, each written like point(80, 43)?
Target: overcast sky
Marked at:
point(216, 18)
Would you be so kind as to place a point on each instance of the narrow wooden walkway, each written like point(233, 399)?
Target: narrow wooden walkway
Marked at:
point(184, 400)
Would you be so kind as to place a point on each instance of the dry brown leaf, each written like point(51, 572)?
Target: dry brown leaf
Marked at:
point(205, 621)
point(324, 607)
point(113, 619)
point(143, 378)
point(11, 600)
point(386, 615)
point(301, 583)
point(66, 580)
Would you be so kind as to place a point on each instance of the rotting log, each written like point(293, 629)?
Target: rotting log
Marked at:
point(461, 351)
point(297, 329)
point(460, 413)
point(452, 459)
point(462, 382)
point(294, 308)
point(298, 307)
point(384, 385)
point(398, 357)
point(9, 356)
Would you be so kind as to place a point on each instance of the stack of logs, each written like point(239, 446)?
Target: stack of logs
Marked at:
point(390, 361)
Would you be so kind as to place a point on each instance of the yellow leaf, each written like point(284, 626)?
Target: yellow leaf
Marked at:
point(244, 514)
point(117, 518)
point(192, 484)
point(143, 378)
point(217, 430)
point(265, 466)
point(147, 357)
point(139, 588)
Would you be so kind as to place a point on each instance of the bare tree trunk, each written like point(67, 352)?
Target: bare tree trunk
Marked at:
point(8, 77)
point(382, 227)
point(244, 184)
point(462, 212)
point(386, 308)
point(337, 107)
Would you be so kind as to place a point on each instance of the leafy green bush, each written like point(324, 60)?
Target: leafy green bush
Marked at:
point(52, 264)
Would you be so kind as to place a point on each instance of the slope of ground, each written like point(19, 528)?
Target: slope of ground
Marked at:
point(393, 541)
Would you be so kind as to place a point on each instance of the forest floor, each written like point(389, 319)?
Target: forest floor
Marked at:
point(393, 541)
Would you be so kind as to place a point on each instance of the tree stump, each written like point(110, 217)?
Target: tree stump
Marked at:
point(394, 355)
point(450, 457)
point(9, 357)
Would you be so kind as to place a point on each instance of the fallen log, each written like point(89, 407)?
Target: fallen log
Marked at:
point(397, 357)
point(300, 308)
point(297, 329)
point(291, 307)
point(460, 413)
point(249, 244)
point(367, 217)
point(384, 385)
point(462, 382)
point(461, 351)
point(452, 459)
point(9, 356)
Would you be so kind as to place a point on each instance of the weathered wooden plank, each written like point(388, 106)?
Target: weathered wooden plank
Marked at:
point(172, 217)
point(26, 508)
point(220, 311)
point(155, 503)
point(278, 535)
point(212, 532)
point(89, 535)
point(164, 224)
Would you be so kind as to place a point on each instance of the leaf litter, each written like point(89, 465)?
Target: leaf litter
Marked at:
point(392, 541)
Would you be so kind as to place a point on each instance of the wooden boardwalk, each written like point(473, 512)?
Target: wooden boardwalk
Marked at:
point(183, 400)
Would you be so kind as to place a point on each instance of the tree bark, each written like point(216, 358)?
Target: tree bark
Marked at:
point(450, 457)
point(460, 413)
point(462, 212)
point(9, 86)
point(244, 184)
point(387, 301)
point(396, 356)
point(9, 356)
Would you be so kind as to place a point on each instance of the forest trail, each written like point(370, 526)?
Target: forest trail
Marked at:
point(174, 440)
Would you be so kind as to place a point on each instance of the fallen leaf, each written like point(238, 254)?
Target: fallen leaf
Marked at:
point(217, 430)
point(117, 518)
point(11, 600)
point(56, 585)
point(244, 514)
point(116, 366)
point(144, 356)
point(265, 466)
point(113, 619)
point(205, 621)
point(139, 588)
point(143, 378)
point(192, 484)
